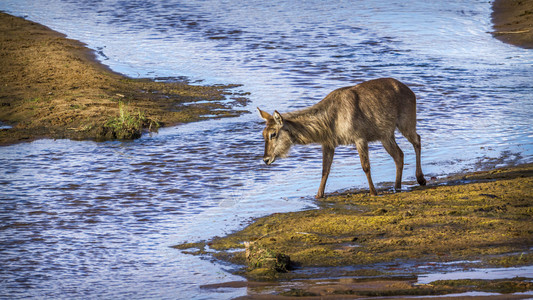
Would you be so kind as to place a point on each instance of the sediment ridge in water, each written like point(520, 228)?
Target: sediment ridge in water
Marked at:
point(53, 87)
point(481, 218)
point(513, 22)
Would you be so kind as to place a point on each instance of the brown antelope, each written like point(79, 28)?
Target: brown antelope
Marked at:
point(370, 111)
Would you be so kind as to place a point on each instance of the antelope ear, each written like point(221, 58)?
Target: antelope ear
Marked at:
point(278, 118)
point(263, 114)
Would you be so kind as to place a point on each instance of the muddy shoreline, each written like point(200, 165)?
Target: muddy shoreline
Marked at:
point(54, 87)
point(477, 220)
point(513, 22)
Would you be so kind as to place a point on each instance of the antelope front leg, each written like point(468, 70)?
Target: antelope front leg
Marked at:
point(362, 148)
point(327, 159)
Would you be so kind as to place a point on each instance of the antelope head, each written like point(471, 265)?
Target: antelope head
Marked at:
point(277, 137)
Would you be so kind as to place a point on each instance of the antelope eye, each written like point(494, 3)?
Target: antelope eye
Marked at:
point(272, 135)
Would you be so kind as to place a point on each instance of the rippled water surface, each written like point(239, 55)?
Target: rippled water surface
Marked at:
point(95, 220)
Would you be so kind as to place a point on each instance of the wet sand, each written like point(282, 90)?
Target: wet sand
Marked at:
point(513, 22)
point(53, 87)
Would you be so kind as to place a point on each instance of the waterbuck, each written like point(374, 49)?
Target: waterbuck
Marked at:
point(369, 111)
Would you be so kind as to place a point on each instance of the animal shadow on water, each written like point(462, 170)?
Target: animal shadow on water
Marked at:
point(367, 112)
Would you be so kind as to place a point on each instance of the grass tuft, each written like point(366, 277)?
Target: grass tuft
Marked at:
point(128, 125)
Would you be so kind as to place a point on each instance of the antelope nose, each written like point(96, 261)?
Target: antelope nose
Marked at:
point(267, 160)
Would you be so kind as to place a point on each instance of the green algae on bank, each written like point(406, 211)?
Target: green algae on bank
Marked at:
point(486, 220)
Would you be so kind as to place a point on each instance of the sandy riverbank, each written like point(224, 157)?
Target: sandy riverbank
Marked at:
point(482, 219)
point(53, 87)
point(513, 22)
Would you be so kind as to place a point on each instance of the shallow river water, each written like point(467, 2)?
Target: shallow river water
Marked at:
point(95, 220)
